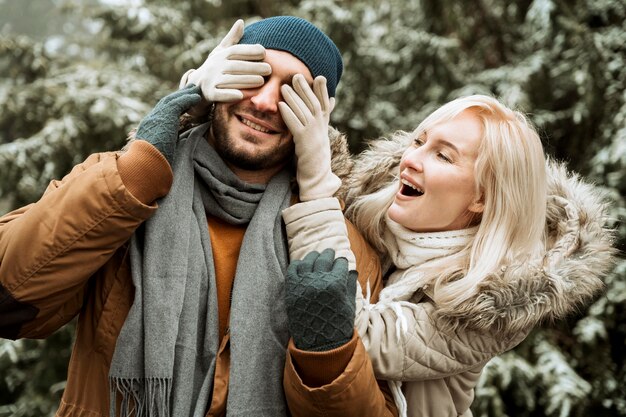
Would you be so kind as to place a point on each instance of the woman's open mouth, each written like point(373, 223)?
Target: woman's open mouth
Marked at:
point(410, 190)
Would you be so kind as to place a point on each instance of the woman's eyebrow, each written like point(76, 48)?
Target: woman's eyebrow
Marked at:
point(443, 142)
point(449, 145)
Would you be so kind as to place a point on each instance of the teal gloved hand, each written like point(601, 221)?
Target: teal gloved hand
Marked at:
point(160, 126)
point(320, 301)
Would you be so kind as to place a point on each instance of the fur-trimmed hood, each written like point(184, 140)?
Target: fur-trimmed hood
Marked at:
point(566, 279)
point(341, 160)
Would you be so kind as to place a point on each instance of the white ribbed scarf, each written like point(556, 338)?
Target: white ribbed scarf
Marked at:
point(409, 252)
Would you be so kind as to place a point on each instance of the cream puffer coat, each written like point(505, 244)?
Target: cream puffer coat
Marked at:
point(440, 356)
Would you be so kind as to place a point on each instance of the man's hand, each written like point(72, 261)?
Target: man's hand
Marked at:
point(229, 68)
point(306, 113)
point(320, 301)
point(160, 126)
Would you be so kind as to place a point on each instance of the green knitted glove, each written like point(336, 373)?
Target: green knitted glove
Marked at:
point(160, 126)
point(320, 294)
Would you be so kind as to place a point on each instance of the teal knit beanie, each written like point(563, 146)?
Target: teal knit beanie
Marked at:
point(301, 39)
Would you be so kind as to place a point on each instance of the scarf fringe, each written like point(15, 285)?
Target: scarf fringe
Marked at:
point(146, 397)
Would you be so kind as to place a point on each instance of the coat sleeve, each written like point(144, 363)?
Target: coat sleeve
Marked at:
point(354, 389)
point(317, 225)
point(406, 342)
point(320, 224)
point(355, 392)
point(50, 249)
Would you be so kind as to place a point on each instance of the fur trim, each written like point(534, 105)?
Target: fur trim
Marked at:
point(565, 280)
point(341, 160)
point(376, 166)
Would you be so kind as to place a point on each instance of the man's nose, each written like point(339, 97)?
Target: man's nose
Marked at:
point(267, 97)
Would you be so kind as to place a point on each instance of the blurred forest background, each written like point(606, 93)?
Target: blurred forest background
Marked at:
point(76, 76)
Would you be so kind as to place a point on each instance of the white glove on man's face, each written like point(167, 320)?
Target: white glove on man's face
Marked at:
point(229, 68)
point(306, 112)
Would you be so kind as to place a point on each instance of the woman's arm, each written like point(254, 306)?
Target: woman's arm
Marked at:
point(413, 347)
point(405, 342)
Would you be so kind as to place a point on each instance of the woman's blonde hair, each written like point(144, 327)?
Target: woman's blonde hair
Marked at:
point(509, 175)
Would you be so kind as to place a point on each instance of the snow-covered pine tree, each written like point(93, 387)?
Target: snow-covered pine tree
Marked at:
point(563, 62)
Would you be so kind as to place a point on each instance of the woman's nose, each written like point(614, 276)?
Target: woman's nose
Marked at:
point(412, 158)
point(267, 97)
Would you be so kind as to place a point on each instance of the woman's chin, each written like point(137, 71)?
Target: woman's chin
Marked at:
point(399, 215)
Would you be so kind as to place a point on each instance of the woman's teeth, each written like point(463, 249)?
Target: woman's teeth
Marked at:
point(254, 126)
point(410, 189)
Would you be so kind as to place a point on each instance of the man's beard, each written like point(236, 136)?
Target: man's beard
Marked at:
point(226, 148)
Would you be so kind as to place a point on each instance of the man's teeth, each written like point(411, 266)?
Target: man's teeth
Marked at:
point(254, 126)
point(408, 184)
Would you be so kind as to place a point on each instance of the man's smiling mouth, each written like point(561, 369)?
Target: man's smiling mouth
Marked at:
point(255, 126)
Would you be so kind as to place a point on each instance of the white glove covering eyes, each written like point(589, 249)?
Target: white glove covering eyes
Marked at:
point(229, 68)
point(306, 112)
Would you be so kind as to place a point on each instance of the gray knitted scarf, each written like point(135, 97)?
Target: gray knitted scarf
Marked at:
point(164, 359)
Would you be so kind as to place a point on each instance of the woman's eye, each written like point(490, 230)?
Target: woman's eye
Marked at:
point(418, 142)
point(444, 158)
